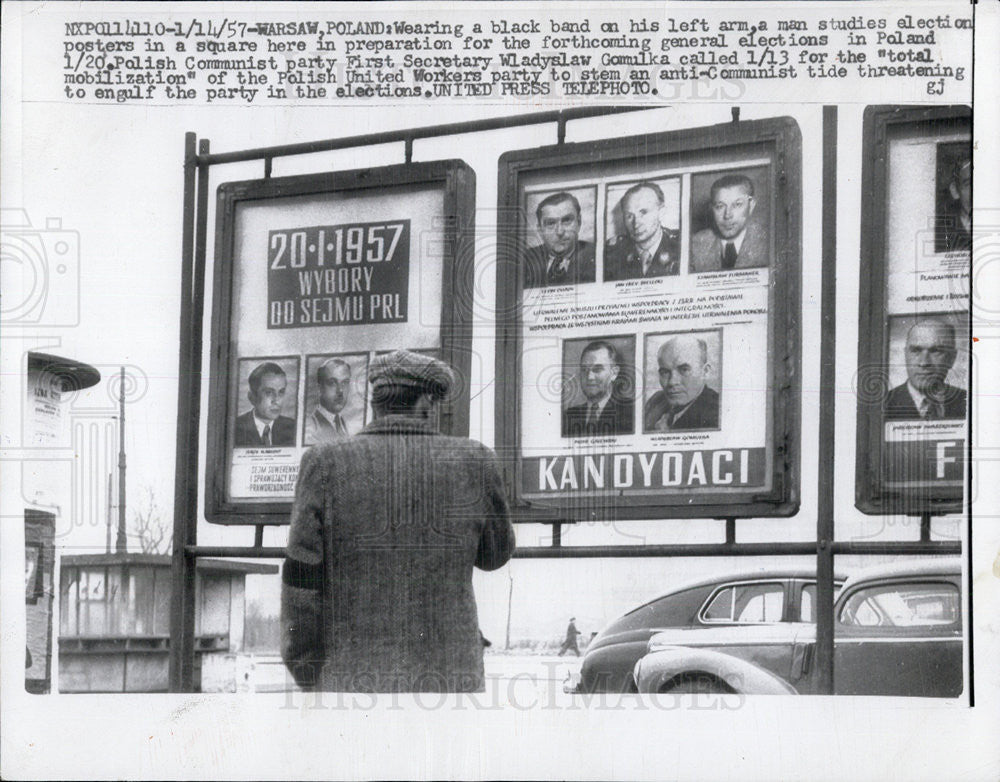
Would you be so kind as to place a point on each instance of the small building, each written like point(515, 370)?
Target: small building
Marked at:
point(50, 382)
point(114, 619)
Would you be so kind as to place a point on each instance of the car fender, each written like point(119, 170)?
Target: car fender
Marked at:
point(657, 668)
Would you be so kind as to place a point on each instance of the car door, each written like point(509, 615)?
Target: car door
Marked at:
point(900, 637)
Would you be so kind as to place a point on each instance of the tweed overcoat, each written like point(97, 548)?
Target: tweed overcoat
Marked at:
point(377, 583)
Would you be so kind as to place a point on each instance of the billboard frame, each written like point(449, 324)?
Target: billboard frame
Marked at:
point(781, 137)
point(458, 183)
point(871, 497)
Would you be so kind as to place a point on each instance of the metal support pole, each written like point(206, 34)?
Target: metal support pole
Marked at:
point(185, 478)
point(189, 413)
point(557, 535)
point(731, 531)
point(825, 525)
point(925, 526)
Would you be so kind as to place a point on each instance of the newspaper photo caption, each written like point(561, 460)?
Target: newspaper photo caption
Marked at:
point(267, 58)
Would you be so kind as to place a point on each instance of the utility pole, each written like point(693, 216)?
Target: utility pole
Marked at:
point(120, 546)
point(107, 538)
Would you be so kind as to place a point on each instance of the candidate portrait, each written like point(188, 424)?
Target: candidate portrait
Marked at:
point(682, 372)
point(729, 221)
point(642, 226)
point(270, 386)
point(335, 397)
point(930, 356)
point(564, 226)
point(598, 386)
point(953, 198)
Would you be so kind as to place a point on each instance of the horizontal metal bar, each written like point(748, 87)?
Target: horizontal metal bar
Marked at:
point(804, 548)
point(938, 547)
point(261, 552)
point(391, 136)
point(669, 550)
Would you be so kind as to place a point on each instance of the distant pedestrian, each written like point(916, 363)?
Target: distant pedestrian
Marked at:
point(570, 642)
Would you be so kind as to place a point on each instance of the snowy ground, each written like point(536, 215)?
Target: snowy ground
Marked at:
point(517, 680)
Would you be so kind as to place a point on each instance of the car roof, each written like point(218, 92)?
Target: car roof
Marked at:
point(923, 566)
point(738, 575)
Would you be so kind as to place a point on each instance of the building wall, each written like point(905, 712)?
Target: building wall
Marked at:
point(114, 625)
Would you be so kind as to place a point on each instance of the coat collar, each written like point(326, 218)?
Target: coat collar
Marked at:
point(400, 424)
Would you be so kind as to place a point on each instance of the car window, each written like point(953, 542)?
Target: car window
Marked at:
point(903, 605)
point(677, 609)
point(808, 601)
point(758, 603)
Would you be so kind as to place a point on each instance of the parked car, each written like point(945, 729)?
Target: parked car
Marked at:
point(897, 631)
point(758, 598)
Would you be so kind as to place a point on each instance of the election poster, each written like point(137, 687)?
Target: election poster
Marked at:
point(316, 275)
point(914, 371)
point(649, 298)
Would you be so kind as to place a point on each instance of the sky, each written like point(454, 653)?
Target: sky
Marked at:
point(111, 175)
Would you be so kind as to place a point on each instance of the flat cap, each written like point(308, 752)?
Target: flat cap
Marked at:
point(405, 368)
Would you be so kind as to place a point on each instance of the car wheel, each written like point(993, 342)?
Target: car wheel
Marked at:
point(697, 683)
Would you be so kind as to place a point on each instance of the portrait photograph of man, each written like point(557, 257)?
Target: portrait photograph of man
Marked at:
point(936, 370)
point(564, 227)
point(682, 374)
point(270, 386)
point(642, 226)
point(729, 221)
point(953, 213)
point(598, 395)
point(335, 397)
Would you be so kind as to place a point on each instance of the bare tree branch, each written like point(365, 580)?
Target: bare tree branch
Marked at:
point(148, 526)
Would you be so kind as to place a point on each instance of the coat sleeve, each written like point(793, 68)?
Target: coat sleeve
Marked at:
point(302, 577)
point(496, 543)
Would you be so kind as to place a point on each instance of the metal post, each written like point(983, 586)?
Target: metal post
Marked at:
point(185, 478)
point(510, 601)
point(825, 525)
point(121, 545)
point(925, 526)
